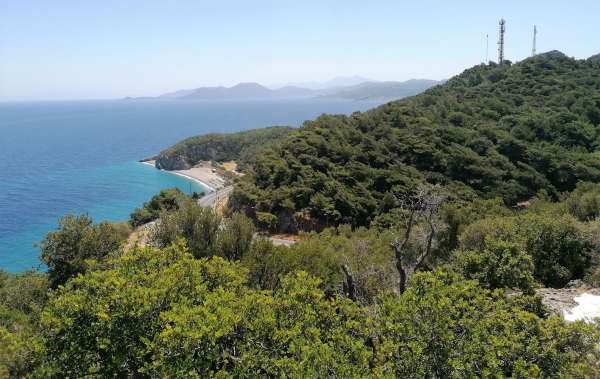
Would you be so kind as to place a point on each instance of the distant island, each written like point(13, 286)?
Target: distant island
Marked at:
point(353, 88)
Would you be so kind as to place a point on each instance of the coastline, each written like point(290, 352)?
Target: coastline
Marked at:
point(192, 178)
point(209, 188)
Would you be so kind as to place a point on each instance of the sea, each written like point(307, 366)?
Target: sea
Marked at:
point(79, 157)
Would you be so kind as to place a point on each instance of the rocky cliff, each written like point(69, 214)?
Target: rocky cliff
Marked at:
point(242, 147)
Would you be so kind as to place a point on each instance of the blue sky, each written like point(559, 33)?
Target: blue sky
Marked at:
point(105, 49)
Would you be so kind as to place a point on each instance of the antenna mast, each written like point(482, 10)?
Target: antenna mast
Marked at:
point(487, 48)
point(533, 50)
point(501, 41)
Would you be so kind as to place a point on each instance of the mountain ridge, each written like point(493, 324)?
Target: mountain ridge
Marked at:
point(367, 90)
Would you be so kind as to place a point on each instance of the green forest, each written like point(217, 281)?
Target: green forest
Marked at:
point(508, 131)
point(425, 228)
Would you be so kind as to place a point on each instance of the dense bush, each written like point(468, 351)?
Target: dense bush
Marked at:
point(22, 298)
point(162, 313)
point(500, 265)
point(560, 247)
point(205, 232)
point(77, 239)
point(24, 292)
point(584, 201)
point(365, 253)
point(166, 200)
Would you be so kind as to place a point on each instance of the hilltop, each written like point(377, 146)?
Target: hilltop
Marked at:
point(506, 131)
point(384, 90)
point(594, 57)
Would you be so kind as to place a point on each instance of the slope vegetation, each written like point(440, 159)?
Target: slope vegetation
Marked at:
point(506, 131)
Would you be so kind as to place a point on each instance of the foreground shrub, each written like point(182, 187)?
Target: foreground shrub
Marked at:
point(559, 246)
point(77, 239)
point(162, 313)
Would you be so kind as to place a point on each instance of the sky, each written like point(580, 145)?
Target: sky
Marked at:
point(53, 50)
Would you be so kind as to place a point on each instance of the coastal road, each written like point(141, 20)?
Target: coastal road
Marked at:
point(211, 199)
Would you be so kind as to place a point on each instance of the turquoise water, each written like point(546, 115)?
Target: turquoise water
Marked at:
point(82, 157)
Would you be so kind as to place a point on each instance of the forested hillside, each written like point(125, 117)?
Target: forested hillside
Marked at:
point(506, 131)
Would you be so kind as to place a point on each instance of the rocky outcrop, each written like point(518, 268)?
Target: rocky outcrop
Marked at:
point(563, 299)
point(243, 147)
point(186, 157)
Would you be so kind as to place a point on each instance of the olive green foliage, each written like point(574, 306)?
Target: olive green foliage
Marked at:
point(166, 200)
point(22, 297)
point(475, 336)
point(205, 232)
point(20, 346)
point(493, 131)
point(559, 246)
point(163, 313)
point(24, 292)
point(500, 265)
point(77, 239)
point(584, 201)
point(365, 252)
point(266, 221)
point(235, 237)
point(243, 146)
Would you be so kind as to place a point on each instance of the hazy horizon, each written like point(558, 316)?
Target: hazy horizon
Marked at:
point(72, 50)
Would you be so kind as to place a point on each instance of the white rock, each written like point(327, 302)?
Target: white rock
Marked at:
point(587, 308)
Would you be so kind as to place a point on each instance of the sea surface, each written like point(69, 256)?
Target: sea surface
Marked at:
point(82, 157)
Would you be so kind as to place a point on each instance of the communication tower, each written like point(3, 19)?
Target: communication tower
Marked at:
point(533, 49)
point(501, 41)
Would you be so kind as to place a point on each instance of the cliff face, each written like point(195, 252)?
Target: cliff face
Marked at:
point(241, 147)
point(188, 156)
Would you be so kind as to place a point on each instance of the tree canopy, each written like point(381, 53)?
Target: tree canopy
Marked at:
point(162, 313)
point(507, 131)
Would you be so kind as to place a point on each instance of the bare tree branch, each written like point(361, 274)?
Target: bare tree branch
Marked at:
point(422, 206)
point(349, 286)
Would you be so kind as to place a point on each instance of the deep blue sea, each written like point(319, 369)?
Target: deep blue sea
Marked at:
point(82, 157)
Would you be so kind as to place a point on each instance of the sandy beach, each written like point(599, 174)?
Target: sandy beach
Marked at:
point(202, 173)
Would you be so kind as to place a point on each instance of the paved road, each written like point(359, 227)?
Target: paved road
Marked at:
point(210, 200)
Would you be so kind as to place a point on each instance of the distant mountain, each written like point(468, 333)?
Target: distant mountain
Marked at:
point(177, 94)
point(294, 91)
point(384, 90)
point(241, 91)
point(337, 82)
point(594, 57)
point(253, 91)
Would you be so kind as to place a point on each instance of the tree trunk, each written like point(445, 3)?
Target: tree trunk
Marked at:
point(349, 286)
point(400, 268)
